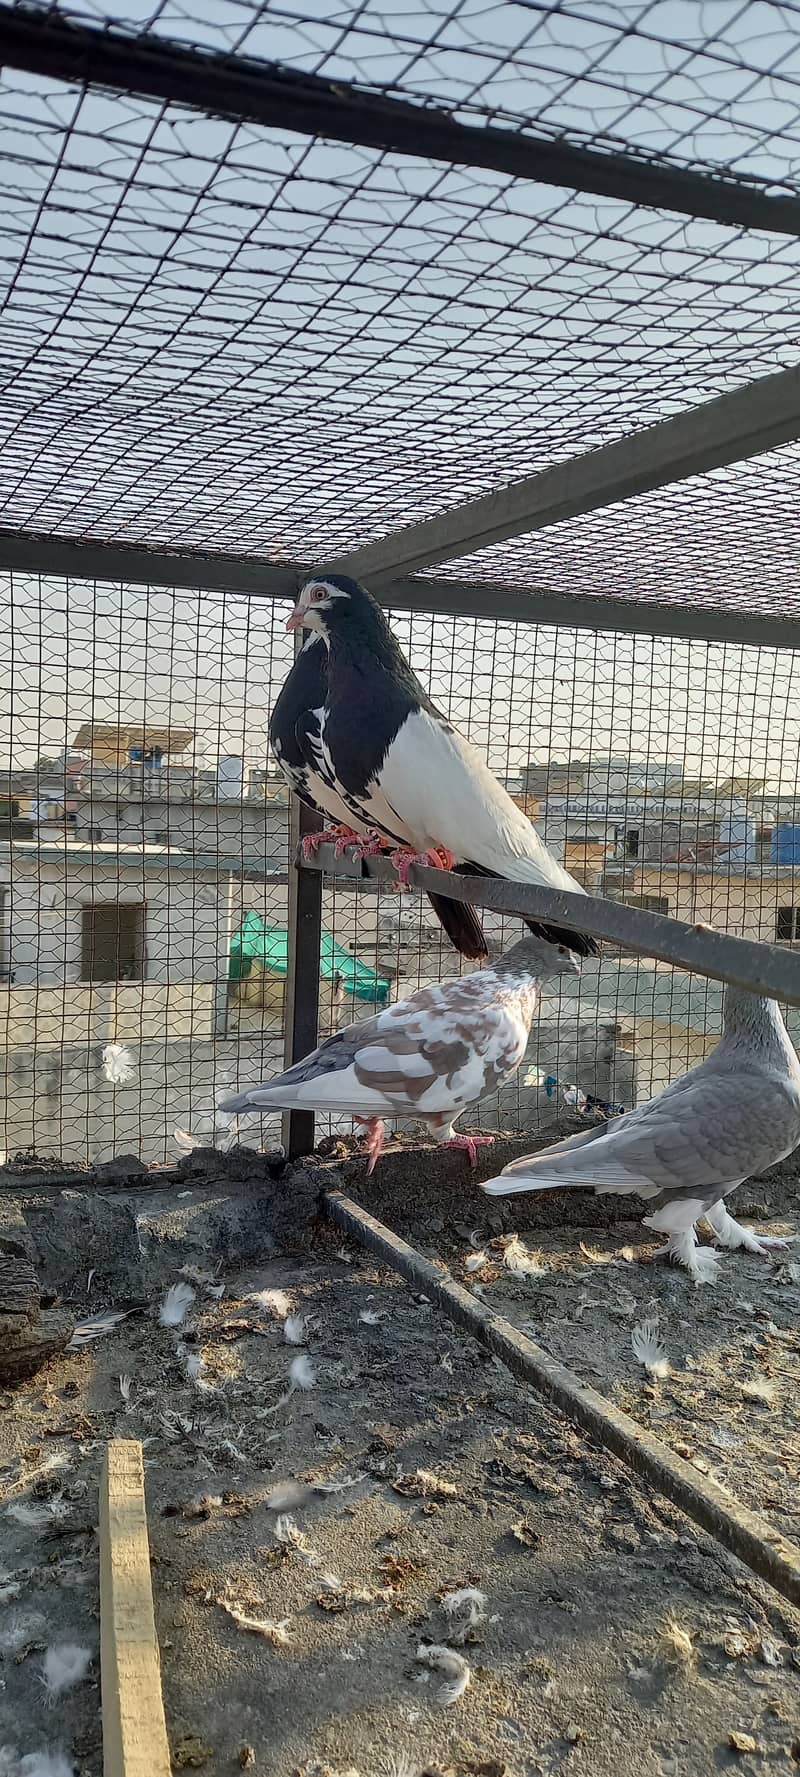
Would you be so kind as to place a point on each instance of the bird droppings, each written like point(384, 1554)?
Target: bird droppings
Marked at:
point(739, 1742)
point(277, 1633)
point(424, 1485)
point(190, 1753)
point(677, 1646)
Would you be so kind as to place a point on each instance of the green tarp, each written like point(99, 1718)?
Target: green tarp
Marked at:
point(269, 945)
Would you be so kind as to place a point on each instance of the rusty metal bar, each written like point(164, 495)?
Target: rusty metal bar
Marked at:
point(761, 968)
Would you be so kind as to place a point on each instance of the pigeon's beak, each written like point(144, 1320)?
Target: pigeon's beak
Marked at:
point(296, 619)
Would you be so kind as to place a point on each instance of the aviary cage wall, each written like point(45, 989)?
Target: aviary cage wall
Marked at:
point(495, 310)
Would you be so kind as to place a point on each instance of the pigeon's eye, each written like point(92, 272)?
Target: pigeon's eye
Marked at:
point(318, 593)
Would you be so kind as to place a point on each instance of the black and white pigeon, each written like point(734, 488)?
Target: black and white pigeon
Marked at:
point(401, 768)
point(446, 1047)
point(294, 735)
point(731, 1117)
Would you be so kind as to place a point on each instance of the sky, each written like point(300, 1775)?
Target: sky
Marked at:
point(81, 652)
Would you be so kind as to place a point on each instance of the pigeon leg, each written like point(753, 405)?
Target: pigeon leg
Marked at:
point(682, 1249)
point(339, 836)
point(472, 1143)
point(375, 1133)
point(370, 845)
point(677, 1221)
point(731, 1234)
point(437, 858)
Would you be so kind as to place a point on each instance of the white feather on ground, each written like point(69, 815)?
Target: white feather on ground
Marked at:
point(33, 1513)
point(287, 1495)
point(465, 1610)
point(648, 1348)
point(96, 1327)
point(274, 1302)
point(519, 1261)
point(176, 1304)
point(46, 1764)
point(119, 1064)
point(64, 1665)
point(301, 1374)
point(455, 1669)
point(294, 1329)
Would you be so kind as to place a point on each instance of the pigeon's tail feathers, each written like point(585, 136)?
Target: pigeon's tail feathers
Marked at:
point(540, 1172)
point(525, 1176)
point(579, 942)
point(255, 1098)
point(582, 943)
point(462, 926)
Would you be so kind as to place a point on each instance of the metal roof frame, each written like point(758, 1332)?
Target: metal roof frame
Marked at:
point(39, 40)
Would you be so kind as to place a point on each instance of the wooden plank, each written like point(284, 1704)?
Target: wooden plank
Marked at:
point(134, 1730)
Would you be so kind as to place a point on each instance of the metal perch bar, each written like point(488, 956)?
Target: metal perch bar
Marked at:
point(746, 1534)
point(762, 968)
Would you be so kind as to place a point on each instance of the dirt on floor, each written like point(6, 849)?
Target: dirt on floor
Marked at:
point(311, 1519)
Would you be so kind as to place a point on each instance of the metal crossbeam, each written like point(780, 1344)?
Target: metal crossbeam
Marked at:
point(751, 420)
point(29, 553)
point(42, 41)
point(761, 968)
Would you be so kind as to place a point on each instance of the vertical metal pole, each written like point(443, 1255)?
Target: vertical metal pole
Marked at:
point(302, 979)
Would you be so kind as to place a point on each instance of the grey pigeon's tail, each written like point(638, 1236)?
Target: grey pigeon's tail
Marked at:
point(462, 926)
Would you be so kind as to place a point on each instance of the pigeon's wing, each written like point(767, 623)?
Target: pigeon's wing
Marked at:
point(432, 1054)
point(718, 1130)
point(295, 730)
point(434, 783)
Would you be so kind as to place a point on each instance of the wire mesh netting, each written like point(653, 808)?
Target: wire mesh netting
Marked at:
point(143, 878)
point(225, 337)
point(706, 85)
point(219, 336)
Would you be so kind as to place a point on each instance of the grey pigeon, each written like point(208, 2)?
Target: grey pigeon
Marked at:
point(429, 1056)
point(732, 1116)
point(401, 767)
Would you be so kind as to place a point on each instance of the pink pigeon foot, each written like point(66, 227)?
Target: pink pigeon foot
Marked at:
point(375, 1143)
point(370, 846)
point(438, 858)
point(472, 1143)
point(340, 837)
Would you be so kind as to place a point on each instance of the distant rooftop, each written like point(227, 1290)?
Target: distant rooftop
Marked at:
point(112, 743)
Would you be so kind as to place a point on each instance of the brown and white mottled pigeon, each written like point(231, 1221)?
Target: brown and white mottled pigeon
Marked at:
point(429, 1056)
point(731, 1117)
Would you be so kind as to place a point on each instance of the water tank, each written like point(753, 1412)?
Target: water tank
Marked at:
point(786, 843)
point(737, 837)
point(230, 773)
